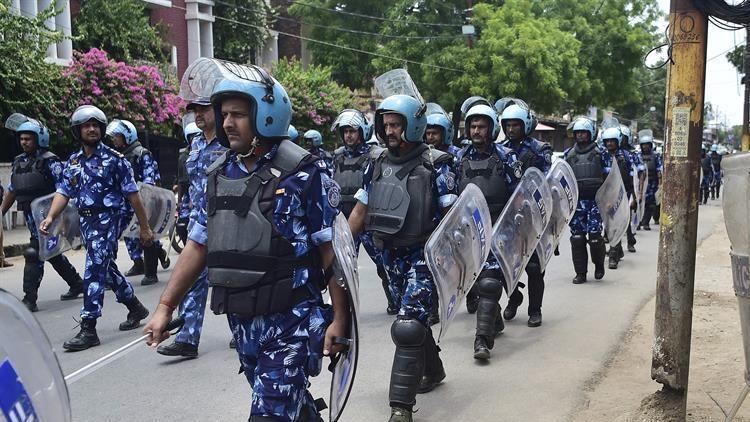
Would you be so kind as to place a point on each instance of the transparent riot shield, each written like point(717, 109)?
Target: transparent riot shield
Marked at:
point(397, 82)
point(521, 224)
point(160, 207)
point(640, 196)
point(344, 366)
point(457, 250)
point(613, 205)
point(564, 189)
point(32, 387)
point(734, 201)
point(65, 231)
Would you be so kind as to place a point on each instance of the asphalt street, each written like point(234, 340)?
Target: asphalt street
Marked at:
point(535, 374)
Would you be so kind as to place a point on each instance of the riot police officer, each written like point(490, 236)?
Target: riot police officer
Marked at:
point(267, 279)
point(124, 139)
point(495, 170)
point(204, 150)
point(349, 162)
point(37, 172)
point(588, 163)
point(425, 174)
point(183, 182)
point(518, 121)
point(707, 180)
point(314, 144)
point(640, 169)
point(439, 133)
point(654, 166)
point(101, 182)
point(615, 155)
point(716, 168)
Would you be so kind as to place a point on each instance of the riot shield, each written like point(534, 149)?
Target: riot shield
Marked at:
point(203, 74)
point(32, 387)
point(521, 224)
point(613, 205)
point(65, 231)
point(457, 250)
point(344, 366)
point(564, 189)
point(472, 101)
point(160, 209)
point(397, 82)
point(640, 196)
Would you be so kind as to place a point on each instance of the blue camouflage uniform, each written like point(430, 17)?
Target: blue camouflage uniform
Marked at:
point(531, 153)
point(324, 155)
point(278, 352)
point(587, 218)
point(53, 171)
point(410, 280)
point(99, 185)
point(716, 165)
point(193, 306)
point(145, 170)
point(508, 157)
point(653, 182)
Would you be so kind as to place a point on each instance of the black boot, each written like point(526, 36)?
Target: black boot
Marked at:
point(535, 320)
point(150, 262)
point(74, 291)
point(614, 258)
point(580, 257)
point(472, 300)
point(30, 303)
point(631, 240)
point(434, 372)
point(657, 214)
point(85, 338)
point(164, 259)
point(409, 335)
point(178, 349)
point(136, 269)
point(68, 273)
point(489, 290)
point(137, 312)
point(648, 211)
point(481, 349)
point(32, 277)
point(399, 414)
point(598, 253)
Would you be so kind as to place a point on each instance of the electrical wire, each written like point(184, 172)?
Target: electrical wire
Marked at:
point(359, 15)
point(734, 16)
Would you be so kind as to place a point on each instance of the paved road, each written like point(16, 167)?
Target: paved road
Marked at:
point(535, 374)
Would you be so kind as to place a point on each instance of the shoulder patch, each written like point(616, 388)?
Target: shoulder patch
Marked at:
point(333, 192)
point(517, 169)
point(450, 181)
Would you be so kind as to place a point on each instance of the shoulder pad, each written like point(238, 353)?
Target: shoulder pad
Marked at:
point(439, 158)
point(46, 155)
point(18, 157)
point(289, 156)
point(338, 151)
point(377, 152)
point(218, 163)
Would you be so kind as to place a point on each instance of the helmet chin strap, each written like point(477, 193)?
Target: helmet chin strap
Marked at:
point(250, 153)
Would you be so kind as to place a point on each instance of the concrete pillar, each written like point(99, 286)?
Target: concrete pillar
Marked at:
point(65, 47)
point(207, 39)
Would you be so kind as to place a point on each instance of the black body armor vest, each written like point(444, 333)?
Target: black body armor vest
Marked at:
point(588, 168)
point(489, 176)
point(30, 179)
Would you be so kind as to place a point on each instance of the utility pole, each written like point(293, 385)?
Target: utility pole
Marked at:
point(670, 365)
point(467, 28)
point(746, 80)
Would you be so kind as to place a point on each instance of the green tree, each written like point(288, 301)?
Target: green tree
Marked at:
point(121, 28)
point(350, 68)
point(737, 58)
point(653, 85)
point(28, 84)
point(239, 29)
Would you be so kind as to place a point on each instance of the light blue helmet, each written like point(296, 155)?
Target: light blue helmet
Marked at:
point(314, 137)
point(627, 134)
point(190, 131)
point(354, 119)
point(612, 133)
point(486, 111)
point(645, 139)
point(583, 123)
point(714, 148)
point(293, 134)
point(270, 107)
point(410, 109)
point(517, 112)
point(124, 128)
point(441, 120)
point(38, 129)
point(84, 114)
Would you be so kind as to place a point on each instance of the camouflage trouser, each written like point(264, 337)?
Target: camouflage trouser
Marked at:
point(653, 186)
point(101, 232)
point(586, 219)
point(411, 282)
point(366, 240)
point(193, 309)
point(278, 353)
point(135, 251)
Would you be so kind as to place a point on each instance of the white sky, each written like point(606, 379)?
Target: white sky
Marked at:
point(723, 88)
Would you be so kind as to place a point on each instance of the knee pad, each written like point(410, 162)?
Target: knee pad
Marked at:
point(408, 332)
point(578, 240)
point(490, 288)
point(31, 255)
point(533, 269)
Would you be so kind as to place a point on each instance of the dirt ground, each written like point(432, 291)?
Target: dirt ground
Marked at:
point(624, 391)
